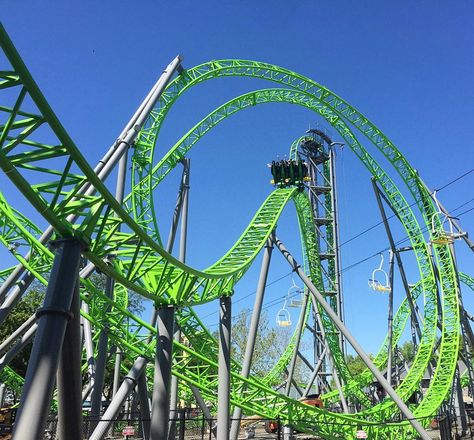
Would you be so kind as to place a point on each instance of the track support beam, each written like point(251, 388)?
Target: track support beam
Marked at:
point(223, 389)
point(52, 322)
point(349, 338)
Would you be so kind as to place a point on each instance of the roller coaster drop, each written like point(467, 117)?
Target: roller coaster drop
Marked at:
point(92, 229)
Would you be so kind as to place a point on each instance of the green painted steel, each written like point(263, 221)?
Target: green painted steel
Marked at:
point(52, 176)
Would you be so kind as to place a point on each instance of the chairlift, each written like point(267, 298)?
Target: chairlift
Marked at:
point(377, 275)
point(441, 226)
point(283, 316)
point(293, 291)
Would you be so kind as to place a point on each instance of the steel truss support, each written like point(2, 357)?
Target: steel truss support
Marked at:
point(252, 333)
point(160, 407)
point(223, 388)
point(315, 373)
point(103, 169)
point(329, 355)
point(299, 332)
point(349, 338)
point(52, 322)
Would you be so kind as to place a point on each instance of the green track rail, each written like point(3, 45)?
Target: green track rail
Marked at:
point(42, 161)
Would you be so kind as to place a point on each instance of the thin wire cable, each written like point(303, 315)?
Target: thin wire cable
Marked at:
point(365, 231)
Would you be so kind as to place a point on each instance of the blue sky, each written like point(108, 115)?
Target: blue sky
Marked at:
point(406, 65)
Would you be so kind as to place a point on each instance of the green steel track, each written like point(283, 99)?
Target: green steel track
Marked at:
point(42, 161)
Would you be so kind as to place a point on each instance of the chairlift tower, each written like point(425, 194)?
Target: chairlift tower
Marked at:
point(319, 152)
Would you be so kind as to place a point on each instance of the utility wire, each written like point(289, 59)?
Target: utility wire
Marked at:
point(347, 268)
point(412, 204)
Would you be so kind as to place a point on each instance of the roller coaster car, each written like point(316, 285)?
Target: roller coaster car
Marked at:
point(272, 426)
point(7, 418)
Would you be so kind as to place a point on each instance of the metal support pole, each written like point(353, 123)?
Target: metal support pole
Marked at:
point(17, 333)
point(315, 372)
point(252, 334)
point(105, 165)
point(89, 345)
point(15, 295)
point(101, 363)
point(223, 389)
point(335, 226)
point(460, 409)
point(299, 331)
point(390, 322)
point(69, 381)
point(19, 346)
point(144, 406)
point(174, 397)
point(118, 363)
point(378, 196)
point(349, 338)
point(2, 394)
point(184, 191)
point(331, 359)
point(123, 392)
point(160, 407)
point(44, 359)
point(205, 410)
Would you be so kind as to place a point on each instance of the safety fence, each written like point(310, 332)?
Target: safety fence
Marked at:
point(191, 424)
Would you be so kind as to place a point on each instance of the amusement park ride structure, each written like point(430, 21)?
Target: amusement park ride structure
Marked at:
point(92, 230)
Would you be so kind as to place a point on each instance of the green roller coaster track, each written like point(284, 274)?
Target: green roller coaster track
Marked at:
point(52, 173)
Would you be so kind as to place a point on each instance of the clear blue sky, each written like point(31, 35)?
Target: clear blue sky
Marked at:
point(406, 65)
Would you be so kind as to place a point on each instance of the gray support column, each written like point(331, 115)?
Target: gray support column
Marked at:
point(17, 333)
point(69, 380)
point(174, 397)
point(2, 394)
point(102, 169)
point(334, 372)
point(459, 407)
point(223, 389)
point(19, 346)
point(100, 364)
point(144, 406)
point(160, 406)
point(184, 191)
point(299, 332)
point(118, 362)
point(252, 334)
point(86, 325)
point(205, 410)
point(349, 338)
point(15, 295)
point(390, 322)
point(413, 316)
point(52, 322)
point(315, 372)
point(123, 392)
point(335, 227)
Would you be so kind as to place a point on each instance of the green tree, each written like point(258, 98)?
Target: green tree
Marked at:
point(355, 364)
point(269, 345)
point(29, 304)
point(408, 351)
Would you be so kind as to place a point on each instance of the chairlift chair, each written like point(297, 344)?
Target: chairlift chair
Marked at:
point(283, 317)
point(441, 226)
point(377, 275)
point(292, 291)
